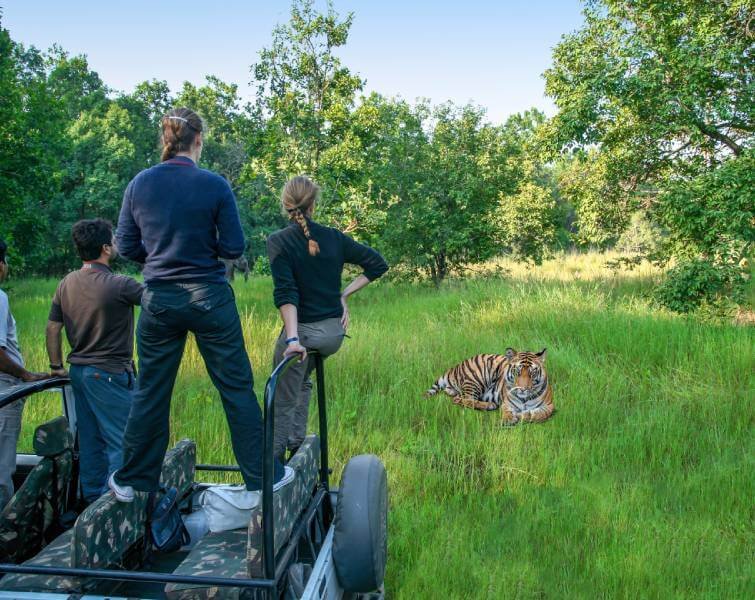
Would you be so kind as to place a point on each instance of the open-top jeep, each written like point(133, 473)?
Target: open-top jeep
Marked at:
point(304, 541)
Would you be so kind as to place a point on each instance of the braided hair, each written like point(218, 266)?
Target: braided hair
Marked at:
point(297, 197)
point(180, 128)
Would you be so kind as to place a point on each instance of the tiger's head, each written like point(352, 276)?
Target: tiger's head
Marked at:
point(525, 378)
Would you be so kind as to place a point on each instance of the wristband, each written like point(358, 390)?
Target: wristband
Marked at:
point(56, 367)
point(292, 339)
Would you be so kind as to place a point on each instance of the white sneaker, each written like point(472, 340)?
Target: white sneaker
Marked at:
point(288, 476)
point(123, 493)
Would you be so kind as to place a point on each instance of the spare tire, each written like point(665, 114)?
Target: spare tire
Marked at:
point(360, 539)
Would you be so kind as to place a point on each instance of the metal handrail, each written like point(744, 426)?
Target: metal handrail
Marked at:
point(268, 469)
point(27, 389)
point(268, 475)
point(136, 576)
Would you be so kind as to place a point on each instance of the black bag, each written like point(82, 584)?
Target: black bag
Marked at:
point(166, 528)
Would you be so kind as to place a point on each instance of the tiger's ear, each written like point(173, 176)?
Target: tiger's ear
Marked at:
point(541, 354)
point(510, 352)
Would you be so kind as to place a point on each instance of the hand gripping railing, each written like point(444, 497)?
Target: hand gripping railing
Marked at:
point(268, 476)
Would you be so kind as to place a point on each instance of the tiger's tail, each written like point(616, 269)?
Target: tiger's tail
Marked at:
point(436, 387)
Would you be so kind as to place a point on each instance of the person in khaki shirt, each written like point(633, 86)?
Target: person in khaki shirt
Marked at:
point(96, 308)
point(12, 372)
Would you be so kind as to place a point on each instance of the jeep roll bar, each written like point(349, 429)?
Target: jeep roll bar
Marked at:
point(22, 390)
point(268, 546)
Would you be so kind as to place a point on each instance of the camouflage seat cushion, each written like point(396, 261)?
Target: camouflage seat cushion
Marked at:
point(106, 529)
point(288, 504)
point(238, 553)
point(56, 554)
point(221, 554)
point(29, 514)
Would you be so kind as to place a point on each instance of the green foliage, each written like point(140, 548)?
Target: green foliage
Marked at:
point(444, 212)
point(655, 113)
point(600, 206)
point(699, 281)
point(422, 183)
point(31, 143)
point(305, 95)
point(711, 224)
point(660, 96)
point(656, 82)
point(528, 221)
point(712, 214)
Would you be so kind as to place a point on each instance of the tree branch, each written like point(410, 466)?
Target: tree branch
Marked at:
point(714, 134)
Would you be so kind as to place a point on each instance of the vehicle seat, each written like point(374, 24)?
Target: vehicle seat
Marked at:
point(237, 554)
point(41, 499)
point(105, 531)
point(107, 528)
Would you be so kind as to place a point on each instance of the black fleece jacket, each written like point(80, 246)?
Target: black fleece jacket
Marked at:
point(313, 283)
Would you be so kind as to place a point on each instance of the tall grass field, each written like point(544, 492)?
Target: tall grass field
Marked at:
point(641, 484)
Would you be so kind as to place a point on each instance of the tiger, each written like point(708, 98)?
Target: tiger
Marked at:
point(514, 381)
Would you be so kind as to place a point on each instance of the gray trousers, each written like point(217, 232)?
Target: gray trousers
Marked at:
point(295, 387)
point(10, 428)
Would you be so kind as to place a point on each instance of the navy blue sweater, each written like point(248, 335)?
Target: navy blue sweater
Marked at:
point(313, 283)
point(178, 220)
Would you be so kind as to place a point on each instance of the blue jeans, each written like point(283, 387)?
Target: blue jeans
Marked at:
point(169, 312)
point(103, 402)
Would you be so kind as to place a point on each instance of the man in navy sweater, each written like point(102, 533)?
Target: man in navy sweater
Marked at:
point(179, 220)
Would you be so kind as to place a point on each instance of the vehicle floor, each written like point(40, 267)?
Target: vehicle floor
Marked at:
point(159, 563)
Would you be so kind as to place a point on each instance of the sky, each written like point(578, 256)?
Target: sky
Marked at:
point(490, 53)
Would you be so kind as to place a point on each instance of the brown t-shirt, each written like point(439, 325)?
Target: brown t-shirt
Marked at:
point(97, 309)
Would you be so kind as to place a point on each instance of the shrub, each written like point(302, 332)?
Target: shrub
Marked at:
point(697, 282)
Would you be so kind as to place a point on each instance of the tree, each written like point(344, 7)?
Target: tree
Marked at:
point(70, 80)
point(146, 105)
point(711, 223)
point(660, 96)
point(656, 83)
point(444, 212)
point(528, 221)
point(304, 93)
point(31, 143)
point(601, 207)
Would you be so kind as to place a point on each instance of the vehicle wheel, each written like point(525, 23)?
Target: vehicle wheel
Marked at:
point(360, 539)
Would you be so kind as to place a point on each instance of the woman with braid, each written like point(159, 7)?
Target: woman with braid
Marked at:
point(307, 261)
point(179, 220)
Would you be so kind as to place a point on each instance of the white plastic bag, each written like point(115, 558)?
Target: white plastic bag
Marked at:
point(196, 525)
point(228, 506)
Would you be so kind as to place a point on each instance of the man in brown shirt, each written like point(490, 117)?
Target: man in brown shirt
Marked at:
point(96, 307)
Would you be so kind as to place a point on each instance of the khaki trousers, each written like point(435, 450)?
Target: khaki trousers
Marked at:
point(295, 387)
point(10, 428)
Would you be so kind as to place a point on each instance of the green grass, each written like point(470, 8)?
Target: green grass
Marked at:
point(641, 485)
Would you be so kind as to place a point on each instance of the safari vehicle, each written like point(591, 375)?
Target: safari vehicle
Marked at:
point(306, 541)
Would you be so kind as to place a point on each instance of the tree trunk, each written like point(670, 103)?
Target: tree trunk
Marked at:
point(440, 268)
